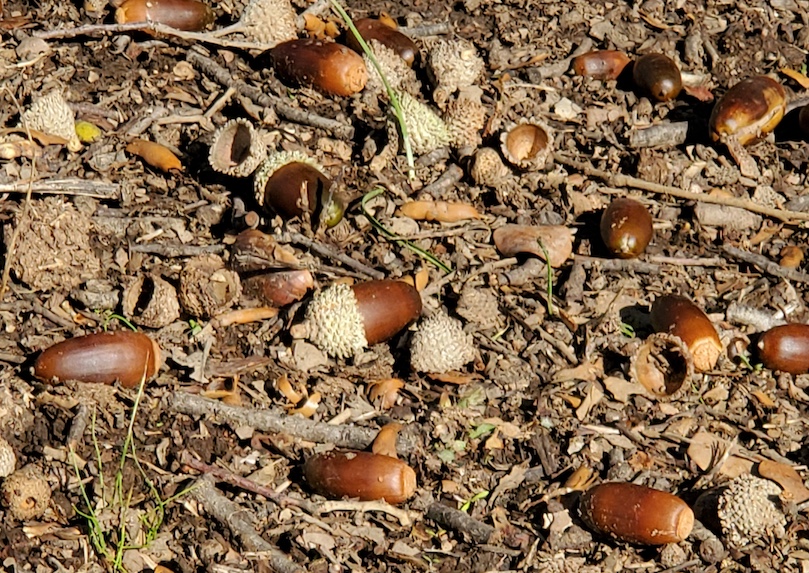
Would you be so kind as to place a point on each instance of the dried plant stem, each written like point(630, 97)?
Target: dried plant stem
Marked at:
point(766, 264)
point(69, 186)
point(620, 180)
point(335, 255)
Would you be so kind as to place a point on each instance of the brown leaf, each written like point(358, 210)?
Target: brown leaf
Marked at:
point(706, 449)
point(441, 211)
point(156, 155)
point(556, 239)
point(802, 80)
point(785, 476)
point(702, 93)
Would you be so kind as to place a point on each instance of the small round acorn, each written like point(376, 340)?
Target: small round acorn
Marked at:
point(657, 76)
point(636, 514)
point(329, 67)
point(679, 316)
point(600, 64)
point(626, 228)
point(750, 109)
point(103, 358)
point(361, 475)
point(374, 29)
point(785, 348)
point(188, 15)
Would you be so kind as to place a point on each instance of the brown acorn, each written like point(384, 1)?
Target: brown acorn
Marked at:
point(329, 67)
point(636, 514)
point(362, 475)
point(189, 15)
point(373, 29)
point(626, 228)
point(342, 319)
point(279, 288)
point(103, 358)
point(749, 110)
point(657, 76)
point(600, 64)
point(679, 316)
point(785, 348)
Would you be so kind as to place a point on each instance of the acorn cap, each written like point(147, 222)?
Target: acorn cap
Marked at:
point(269, 21)
point(150, 301)
point(237, 149)
point(527, 144)
point(51, 114)
point(427, 131)
point(440, 345)
point(488, 168)
point(480, 306)
point(334, 321)
point(747, 510)
point(26, 493)
point(207, 288)
point(400, 76)
point(273, 163)
point(453, 64)
point(8, 460)
point(465, 118)
point(663, 365)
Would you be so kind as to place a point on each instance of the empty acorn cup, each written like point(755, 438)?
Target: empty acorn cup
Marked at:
point(678, 315)
point(527, 144)
point(663, 365)
point(237, 149)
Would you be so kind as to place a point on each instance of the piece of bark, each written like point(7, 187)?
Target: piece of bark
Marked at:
point(661, 135)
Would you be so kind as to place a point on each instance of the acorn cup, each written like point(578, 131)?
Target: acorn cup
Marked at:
point(103, 358)
point(636, 514)
point(748, 111)
point(237, 149)
point(342, 320)
point(663, 365)
point(328, 67)
point(374, 29)
point(527, 144)
point(600, 64)
point(188, 15)
point(626, 228)
point(657, 76)
point(785, 348)
point(677, 315)
point(291, 184)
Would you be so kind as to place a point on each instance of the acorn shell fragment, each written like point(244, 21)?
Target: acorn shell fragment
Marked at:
point(237, 149)
point(600, 64)
point(663, 365)
point(557, 240)
point(527, 144)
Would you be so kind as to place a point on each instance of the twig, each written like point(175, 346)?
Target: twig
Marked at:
point(343, 436)
point(174, 250)
point(329, 253)
point(448, 178)
point(668, 134)
point(224, 77)
point(236, 518)
point(620, 180)
point(766, 264)
point(405, 517)
point(461, 521)
point(70, 186)
point(437, 29)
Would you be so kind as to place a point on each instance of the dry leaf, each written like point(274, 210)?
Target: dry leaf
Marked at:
point(785, 476)
point(621, 389)
point(702, 93)
point(309, 407)
point(706, 450)
point(454, 378)
point(802, 80)
point(764, 399)
point(586, 371)
point(156, 155)
point(591, 398)
point(441, 211)
point(385, 441)
point(385, 390)
point(556, 239)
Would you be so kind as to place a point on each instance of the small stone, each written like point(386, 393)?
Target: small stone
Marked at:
point(334, 322)
point(440, 345)
point(26, 493)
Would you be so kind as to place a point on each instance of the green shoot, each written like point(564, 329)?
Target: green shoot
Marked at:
point(549, 269)
point(627, 330)
point(477, 497)
point(394, 99)
point(109, 316)
point(398, 240)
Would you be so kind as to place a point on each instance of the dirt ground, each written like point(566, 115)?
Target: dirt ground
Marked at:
point(202, 469)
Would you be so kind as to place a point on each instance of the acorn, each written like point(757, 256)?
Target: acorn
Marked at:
point(329, 67)
point(749, 110)
point(626, 228)
point(279, 288)
point(785, 348)
point(342, 320)
point(361, 475)
point(102, 358)
point(374, 29)
point(291, 183)
point(189, 15)
point(256, 251)
point(657, 76)
point(636, 514)
point(679, 316)
point(600, 64)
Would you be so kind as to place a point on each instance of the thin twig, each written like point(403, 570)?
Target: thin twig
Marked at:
point(335, 255)
point(766, 264)
point(620, 180)
point(69, 186)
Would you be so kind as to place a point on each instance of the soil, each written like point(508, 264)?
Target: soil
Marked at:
point(201, 468)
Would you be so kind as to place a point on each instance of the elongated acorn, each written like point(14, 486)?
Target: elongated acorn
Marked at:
point(279, 288)
point(600, 64)
point(657, 76)
point(362, 475)
point(677, 315)
point(189, 15)
point(636, 513)
point(626, 228)
point(373, 29)
point(749, 110)
point(329, 67)
point(342, 319)
point(785, 348)
point(104, 357)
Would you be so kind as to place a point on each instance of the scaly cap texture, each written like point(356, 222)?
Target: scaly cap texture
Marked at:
point(400, 76)
point(440, 345)
point(8, 460)
point(425, 129)
point(26, 493)
point(51, 114)
point(269, 21)
point(453, 64)
point(465, 118)
point(335, 323)
point(273, 163)
point(237, 149)
point(747, 510)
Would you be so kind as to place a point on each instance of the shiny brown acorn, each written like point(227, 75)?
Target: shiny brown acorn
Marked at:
point(626, 228)
point(279, 288)
point(600, 64)
point(636, 514)
point(342, 319)
point(103, 358)
point(657, 76)
point(329, 67)
point(361, 475)
point(189, 15)
point(785, 348)
point(749, 110)
point(373, 29)
point(677, 315)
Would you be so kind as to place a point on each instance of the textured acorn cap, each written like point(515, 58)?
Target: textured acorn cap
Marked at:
point(747, 510)
point(51, 114)
point(465, 118)
point(162, 307)
point(480, 306)
point(440, 345)
point(269, 21)
point(26, 493)
point(527, 144)
point(335, 323)
point(453, 64)
point(425, 129)
point(207, 288)
point(488, 168)
point(400, 76)
point(273, 163)
point(8, 460)
point(237, 149)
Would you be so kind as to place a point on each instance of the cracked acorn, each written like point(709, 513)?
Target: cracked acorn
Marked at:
point(343, 320)
point(679, 316)
point(104, 358)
